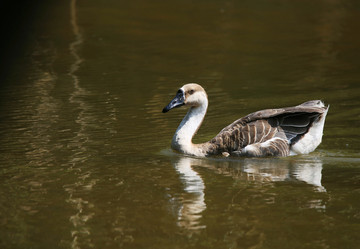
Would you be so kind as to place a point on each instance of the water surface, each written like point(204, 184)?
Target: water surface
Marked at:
point(85, 156)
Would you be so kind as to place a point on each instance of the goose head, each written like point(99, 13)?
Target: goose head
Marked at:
point(191, 95)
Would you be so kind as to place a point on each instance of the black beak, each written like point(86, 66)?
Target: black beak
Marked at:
point(176, 102)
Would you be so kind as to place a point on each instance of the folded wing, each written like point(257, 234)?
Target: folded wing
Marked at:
point(289, 124)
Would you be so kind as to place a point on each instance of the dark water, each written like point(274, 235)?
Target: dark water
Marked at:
point(85, 150)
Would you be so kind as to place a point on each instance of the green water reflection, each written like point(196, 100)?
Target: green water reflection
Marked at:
point(85, 160)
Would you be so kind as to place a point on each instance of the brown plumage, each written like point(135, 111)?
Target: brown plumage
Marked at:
point(271, 132)
point(288, 125)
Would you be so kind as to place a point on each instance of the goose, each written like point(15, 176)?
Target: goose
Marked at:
point(270, 132)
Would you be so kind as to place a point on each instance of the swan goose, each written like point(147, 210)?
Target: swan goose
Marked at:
point(271, 132)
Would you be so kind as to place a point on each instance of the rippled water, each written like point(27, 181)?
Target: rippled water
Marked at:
point(85, 157)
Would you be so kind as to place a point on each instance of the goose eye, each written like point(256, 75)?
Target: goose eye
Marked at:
point(191, 91)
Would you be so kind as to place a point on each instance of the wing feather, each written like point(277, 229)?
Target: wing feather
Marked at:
point(289, 123)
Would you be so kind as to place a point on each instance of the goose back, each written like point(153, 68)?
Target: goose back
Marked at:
point(290, 124)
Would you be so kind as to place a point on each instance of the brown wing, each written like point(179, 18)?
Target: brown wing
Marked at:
point(289, 123)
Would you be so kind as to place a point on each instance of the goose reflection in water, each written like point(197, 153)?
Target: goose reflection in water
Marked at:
point(273, 170)
point(193, 203)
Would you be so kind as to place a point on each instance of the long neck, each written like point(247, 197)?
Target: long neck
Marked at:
point(182, 140)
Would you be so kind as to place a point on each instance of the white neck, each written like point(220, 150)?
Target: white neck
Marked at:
point(182, 140)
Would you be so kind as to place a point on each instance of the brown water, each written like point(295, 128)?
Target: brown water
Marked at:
point(85, 156)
